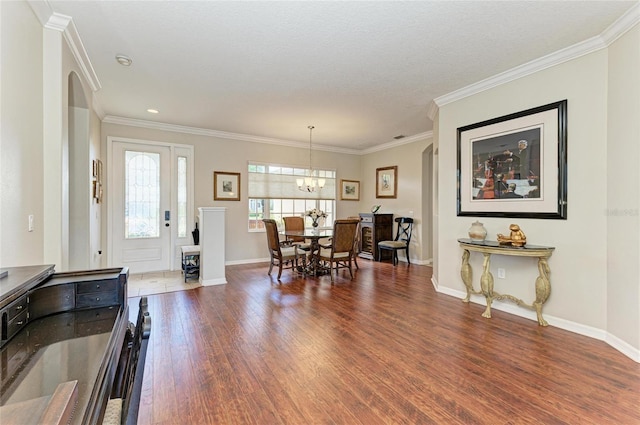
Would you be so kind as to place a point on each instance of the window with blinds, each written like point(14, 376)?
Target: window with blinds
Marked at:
point(273, 193)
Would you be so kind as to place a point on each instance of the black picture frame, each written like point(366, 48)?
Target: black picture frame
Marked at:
point(500, 176)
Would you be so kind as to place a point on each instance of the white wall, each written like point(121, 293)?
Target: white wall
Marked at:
point(217, 154)
point(21, 111)
point(579, 266)
point(36, 64)
point(623, 210)
point(408, 158)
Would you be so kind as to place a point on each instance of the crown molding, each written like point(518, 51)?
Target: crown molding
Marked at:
point(432, 110)
point(612, 33)
point(42, 10)
point(152, 125)
point(537, 65)
point(622, 25)
point(396, 143)
point(63, 23)
point(80, 54)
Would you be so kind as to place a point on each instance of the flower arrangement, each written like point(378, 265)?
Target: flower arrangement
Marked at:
point(315, 215)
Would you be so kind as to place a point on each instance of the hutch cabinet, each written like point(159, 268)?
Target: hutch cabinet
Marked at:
point(373, 229)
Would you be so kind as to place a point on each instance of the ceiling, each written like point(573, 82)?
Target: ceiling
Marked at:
point(361, 72)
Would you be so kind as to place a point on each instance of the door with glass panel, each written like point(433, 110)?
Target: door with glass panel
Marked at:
point(141, 214)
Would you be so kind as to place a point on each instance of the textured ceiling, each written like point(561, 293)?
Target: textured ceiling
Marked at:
point(360, 72)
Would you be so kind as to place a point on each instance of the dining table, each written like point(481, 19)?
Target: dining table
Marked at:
point(313, 234)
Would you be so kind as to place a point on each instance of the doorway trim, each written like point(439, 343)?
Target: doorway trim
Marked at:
point(175, 241)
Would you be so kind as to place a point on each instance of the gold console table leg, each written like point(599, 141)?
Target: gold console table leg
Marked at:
point(486, 284)
point(543, 289)
point(467, 275)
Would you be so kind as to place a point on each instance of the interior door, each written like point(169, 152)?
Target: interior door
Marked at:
point(141, 214)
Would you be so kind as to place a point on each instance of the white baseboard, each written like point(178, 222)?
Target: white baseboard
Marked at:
point(578, 328)
point(211, 282)
point(251, 261)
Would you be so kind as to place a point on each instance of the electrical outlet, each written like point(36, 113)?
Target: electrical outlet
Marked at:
point(502, 274)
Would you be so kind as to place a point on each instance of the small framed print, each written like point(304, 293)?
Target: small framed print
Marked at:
point(226, 186)
point(387, 182)
point(349, 190)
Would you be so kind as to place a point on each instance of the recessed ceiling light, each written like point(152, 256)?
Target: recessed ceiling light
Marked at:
point(124, 60)
point(153, 111)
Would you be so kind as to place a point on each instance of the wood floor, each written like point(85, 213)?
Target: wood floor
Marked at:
point(383, 348)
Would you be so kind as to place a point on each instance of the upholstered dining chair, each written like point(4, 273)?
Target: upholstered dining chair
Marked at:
point(296, 224)
point(340, 252)
point(402, 240)
point(356, 241)
point(283, 256)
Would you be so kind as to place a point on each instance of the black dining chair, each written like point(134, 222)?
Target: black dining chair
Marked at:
point(402, 240)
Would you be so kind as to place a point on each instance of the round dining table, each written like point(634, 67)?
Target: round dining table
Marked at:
point(314, 234)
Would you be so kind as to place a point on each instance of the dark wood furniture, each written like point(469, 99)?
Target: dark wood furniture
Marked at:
point(373, 229)
point(67, 348)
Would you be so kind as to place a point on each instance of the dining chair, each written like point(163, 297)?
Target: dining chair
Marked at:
point(283, 256)
point(340, 252)
point(356, 242)
point(402, 240)
point(296, 223)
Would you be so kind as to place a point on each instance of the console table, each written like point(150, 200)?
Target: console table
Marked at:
point(542, 283)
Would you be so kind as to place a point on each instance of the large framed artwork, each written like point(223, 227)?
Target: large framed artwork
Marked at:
point(349, 190)
point(515, 166)
point(226, 186)
point(387, 182)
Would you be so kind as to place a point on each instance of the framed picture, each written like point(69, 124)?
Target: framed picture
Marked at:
point(515, 166)
point(226, 186)
point(349, 190)
point(387, 182)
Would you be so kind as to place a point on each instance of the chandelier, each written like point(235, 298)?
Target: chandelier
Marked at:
point(309, 183)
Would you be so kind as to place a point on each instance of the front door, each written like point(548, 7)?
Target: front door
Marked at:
point(141, 207)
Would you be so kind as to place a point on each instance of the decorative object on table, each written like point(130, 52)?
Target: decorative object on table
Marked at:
point(375, 208)
point(387, 182)
point(315, 215)
point(349, 190)
point(226, 186)
point(311, 182)
point(501, 171)
point(196, 235)
point(515, 238)
point(477, 232)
